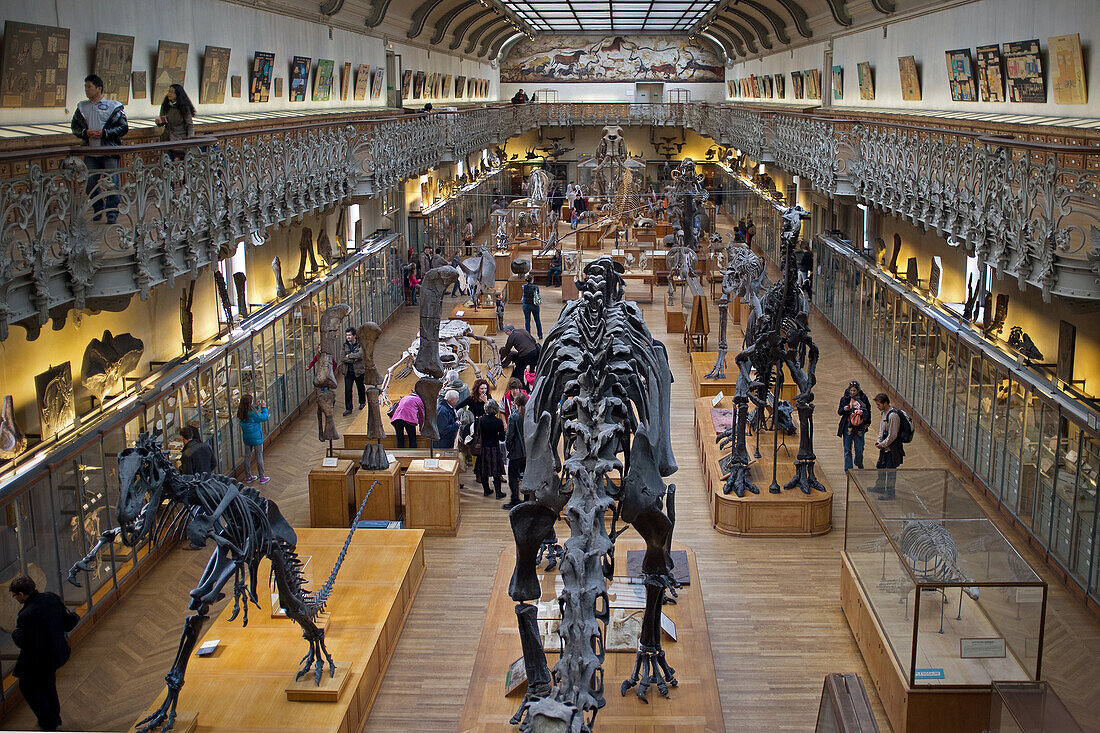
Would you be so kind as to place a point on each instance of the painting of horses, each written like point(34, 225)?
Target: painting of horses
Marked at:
point(561, 58)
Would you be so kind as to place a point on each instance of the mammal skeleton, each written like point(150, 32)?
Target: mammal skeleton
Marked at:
point(602, 399)
point(245, 526)
point(480, 272)
point(454, 353)
point(741, 278)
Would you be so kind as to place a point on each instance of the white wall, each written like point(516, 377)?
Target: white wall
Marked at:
point(613, 91)
point(200, 23)
point(927, 38)
point(796, 59)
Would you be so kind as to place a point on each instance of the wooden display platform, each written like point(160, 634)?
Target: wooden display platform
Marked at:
point(385, 498)
point(243, 685)
point(475, 345)
point(693, 705)
point(919, 709)
point(674, 317)
point(355, 437)
point(787, 514)
point(703, 361)
point(514, 288)
point(431, 498)
point(485, 315)
point(331, 489)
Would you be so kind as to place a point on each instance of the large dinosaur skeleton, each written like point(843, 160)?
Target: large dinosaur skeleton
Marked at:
point(480, 273)
point(245, 526)
point(742, 278)
point(454, 353)
point(777, 336)
point(600, 407)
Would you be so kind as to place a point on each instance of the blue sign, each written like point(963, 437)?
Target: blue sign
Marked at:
point(929, 673)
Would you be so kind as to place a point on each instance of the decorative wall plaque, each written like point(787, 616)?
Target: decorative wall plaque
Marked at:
point(235, 86)
point(345, 81)
point(910, 81)
point(376, 82)
point(960, 76)
point(35, 66)
point(140, 84)
point(322, 85)
point(114, 61)
point(56, 408)
point(299, 78)
point(362, 82)
point(838, 82)
point(259, 87)
point(991, 82)
point(215, 71)
point(171, 68)
point(406, 84)
point(866, 83)
point(1067, 69)
point(1024, 69)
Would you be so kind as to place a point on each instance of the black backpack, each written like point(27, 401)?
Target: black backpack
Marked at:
point(905, 427)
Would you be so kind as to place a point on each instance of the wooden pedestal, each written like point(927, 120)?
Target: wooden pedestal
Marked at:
point(703, 361)
point(568, 288)
point(475, 345)
point(330, 493)
point(385, 498)
point(693, 705)
point(483, 316)
point(909, 709)
point(431, 498)
point(515, 290)
point(242, 686)
point(789, 513)
point(332, 686)
point(674, 317)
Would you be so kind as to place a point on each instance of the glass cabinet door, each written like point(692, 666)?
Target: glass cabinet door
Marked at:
point(1050, 436)
point(1085, 511)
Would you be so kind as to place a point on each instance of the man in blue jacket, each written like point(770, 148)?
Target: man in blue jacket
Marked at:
point(446, 421)
point(100, 122)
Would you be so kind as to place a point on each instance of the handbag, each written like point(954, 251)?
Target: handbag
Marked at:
point(537, 300)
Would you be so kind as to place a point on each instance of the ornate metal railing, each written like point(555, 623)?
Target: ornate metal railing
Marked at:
point(1030, 210)
point(171, 209)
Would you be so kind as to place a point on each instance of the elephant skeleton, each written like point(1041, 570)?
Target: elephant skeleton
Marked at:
point(454, 353)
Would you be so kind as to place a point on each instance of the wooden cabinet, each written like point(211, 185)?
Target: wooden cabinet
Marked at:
point(385, 498)
point(330, 492)
point(431, 498)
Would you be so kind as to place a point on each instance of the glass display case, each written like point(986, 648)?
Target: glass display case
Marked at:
point(443, 222)
point(1029, 707)
point(844, 707)
point(54, 503)
point(1033, 446)
point(958, 605)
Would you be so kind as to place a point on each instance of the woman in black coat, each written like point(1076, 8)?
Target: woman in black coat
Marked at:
point(855, 418)
point(490, 462)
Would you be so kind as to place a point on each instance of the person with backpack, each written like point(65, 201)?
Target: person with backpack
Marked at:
point(855, 418)
point(895, 430)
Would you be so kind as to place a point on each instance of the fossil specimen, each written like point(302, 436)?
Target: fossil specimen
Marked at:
point(55, 399)
point(107, 360)
point(12, 440)
point(277, 268)
point(239, 280)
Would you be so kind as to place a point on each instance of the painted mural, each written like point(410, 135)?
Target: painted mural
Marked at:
point(554, 58)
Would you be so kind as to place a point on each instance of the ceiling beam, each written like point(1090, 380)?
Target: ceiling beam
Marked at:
point(498, 45)
point(331, 7)
point(778, 24)
point(745, 33)
point(757, 26)
point(884, 6)
point(443, 23)
point(840, 13)
point(420, 17)
point(480, 31)
point(487, 42)
point(464, 26)
point(798, 15)
point(731, 38)
point(710, 36)
point(378, 10)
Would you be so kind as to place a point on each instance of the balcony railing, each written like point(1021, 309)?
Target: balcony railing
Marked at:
point(1030, 210)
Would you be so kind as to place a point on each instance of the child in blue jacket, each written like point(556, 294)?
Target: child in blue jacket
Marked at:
point(252, 434)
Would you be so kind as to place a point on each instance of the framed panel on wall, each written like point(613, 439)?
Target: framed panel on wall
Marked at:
point(1067, 69)
point(215, 71)
point(991, 83)
point(406, 84)
point(171, 68)
point(362, 82)
point(322, 85)
point(1024, 67)
point(345, 81)
point(448, 80)
point(418, 84)
point(960, 76)
point(299, 77)
point(376, 82)
point(114, 62)
point(838, 82)
point(460, 86)
point(780, 86)
point(866, 82)
point(35, 66)
point(259, 87)
point(910, 80)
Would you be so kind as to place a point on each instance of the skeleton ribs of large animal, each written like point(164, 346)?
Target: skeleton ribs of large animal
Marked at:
point(600, 406)
point(777, 337)
point(741, 279)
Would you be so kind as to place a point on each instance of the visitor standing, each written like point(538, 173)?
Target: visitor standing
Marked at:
point(177, 117)
point(468, 237)
point(407, 416)
point(571, 195)
point(490, 462)
point(425, 261)
point(446, 421)
point(520, 350)
point(453, 380)
point(252, 435)
point(855, 418)
point(553, 271)
point(532, 299)
point(750, 230)
point(890, 446)
point(517, 451)
point(412, 283)
point(100, 123)
point(355, 370)
point(40, 633)
point(196, 457)
point(499, 303)
point(508, 402)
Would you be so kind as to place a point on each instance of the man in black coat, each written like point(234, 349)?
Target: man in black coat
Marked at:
point(43, 649)
point(197, 457)
point(520, 350)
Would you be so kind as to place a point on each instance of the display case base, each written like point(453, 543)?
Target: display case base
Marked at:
point(674, 317)
point(789, 513)
point(692, 705)
point(910, 710)
point(242, 688)
point(485, 315)
point(329, 690)
point(703, 361)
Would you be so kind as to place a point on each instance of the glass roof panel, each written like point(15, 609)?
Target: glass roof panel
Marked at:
point(611, 15)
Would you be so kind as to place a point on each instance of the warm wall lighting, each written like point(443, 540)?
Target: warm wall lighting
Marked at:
point(796, 180)
point(738, 151)
point(760, 170)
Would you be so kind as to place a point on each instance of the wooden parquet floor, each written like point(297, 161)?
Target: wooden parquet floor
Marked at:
point(772, 605)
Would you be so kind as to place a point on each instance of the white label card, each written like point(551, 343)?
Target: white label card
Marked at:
point(992, 648)
point(207, 648)
point(717, 398)
point(668, 627)
point(459, 314)
point(330, 462)
point(431, 463)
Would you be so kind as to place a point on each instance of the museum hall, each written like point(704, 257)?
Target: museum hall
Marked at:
point(550, 366)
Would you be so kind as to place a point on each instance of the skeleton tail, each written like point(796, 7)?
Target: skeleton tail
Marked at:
point(316, 602)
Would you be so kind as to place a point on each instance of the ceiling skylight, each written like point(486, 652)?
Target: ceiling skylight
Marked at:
point(610, 16)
